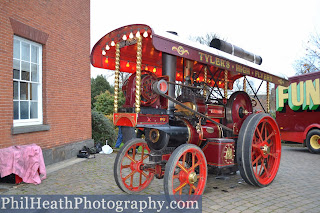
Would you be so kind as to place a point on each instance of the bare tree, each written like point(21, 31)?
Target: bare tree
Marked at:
point(311, 61)
point(205, 39)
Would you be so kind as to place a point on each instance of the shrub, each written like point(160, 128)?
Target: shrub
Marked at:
point(104, 102)
point(102, 129)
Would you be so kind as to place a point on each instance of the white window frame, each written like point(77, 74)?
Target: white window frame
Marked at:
point(39, 120)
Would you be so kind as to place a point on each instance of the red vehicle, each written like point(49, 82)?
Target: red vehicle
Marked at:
point(298, 111)
point(178, 94)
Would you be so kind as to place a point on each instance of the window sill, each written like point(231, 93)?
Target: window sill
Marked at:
point(29, 129)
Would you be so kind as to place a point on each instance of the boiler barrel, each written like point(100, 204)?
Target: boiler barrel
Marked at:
point(235, 50)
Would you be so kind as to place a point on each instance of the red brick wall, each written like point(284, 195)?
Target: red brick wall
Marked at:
point(66, 70)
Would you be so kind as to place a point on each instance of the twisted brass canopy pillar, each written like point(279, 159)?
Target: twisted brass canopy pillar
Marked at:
point(225, 84)
point(205, 82)
point(116, 79)
point(138, 75)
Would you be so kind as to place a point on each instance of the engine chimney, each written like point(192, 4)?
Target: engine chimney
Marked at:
point(235, 50)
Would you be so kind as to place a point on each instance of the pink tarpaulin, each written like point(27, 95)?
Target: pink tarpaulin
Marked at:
point(25, 161)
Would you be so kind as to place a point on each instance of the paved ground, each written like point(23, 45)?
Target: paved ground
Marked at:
point(295, 189)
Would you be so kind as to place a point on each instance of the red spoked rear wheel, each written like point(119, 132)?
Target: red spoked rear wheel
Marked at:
point(259, 149)
point(186, 172)
point(128, 172)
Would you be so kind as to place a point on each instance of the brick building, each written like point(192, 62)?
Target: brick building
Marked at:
point(45, 76)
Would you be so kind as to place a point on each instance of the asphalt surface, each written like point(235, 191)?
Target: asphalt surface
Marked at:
point(296, 187)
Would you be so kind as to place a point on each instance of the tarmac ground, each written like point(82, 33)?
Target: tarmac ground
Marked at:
point(296, 187)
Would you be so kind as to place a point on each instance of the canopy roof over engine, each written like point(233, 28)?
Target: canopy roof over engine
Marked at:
point(155, 42)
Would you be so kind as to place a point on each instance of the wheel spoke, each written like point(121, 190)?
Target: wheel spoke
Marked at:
point(142, 154)
point(125, 166)
point(134, 152)
point(265, 169)
point(260, 135)
point(180, 187)
point(193, 187)
point(190, 190)
point(195, 166)
point(129, 175)
point(265, 131)
point(269, 136)
point(260, 168)
point(182, 167)
point(145, 157)
point(175, 176)
point(193, 159)
point(273, 155)
point(131, 181)
point(144, 174)
point(256, 160)
point(184, 159)
point(130, 158)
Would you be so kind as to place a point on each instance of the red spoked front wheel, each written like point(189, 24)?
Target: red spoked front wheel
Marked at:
point(259, 149)
point(186, 171)
point(128, 166)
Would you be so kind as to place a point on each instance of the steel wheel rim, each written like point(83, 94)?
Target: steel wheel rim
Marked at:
point(315, 141)
point(189, 177)
point(266, 151)
point(132, 177)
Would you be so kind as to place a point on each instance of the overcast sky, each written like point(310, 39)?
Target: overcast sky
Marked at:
point(274, 29)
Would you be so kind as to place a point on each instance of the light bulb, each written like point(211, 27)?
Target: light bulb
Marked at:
point(103, 52)
point(154, 70)
point(112, 43)
point(124, 37)
point(131, 35)
point(127, 65)
point(106, 61)
point(138, 34)
point(107, 47)
point(145, 34)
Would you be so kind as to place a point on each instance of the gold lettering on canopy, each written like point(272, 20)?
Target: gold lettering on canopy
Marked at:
point(214, 60)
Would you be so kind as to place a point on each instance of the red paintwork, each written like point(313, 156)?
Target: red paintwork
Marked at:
point(209, 130)
point(151, 119)
point(215, 152)
point(125, 119)
point(132, 119)
point(215, 111)
point(295, 125)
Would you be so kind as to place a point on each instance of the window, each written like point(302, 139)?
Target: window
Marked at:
point(27, 82)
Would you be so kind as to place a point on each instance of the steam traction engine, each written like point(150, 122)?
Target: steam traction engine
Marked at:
point(177, 95)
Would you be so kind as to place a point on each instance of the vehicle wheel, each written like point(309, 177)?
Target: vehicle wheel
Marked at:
point(186, 172)
point(259, 150)
point(313, 141)
point(128, 174)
